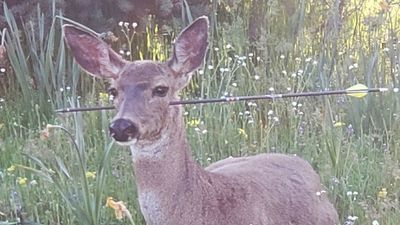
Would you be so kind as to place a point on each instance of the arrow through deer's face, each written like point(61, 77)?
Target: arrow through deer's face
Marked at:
point(142, 90)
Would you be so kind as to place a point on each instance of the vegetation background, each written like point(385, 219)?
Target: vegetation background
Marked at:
point(61, 169)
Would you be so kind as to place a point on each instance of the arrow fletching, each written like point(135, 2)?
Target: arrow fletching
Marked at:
point(357, 91)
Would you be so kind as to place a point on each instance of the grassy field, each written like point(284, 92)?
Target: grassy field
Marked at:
point(60, 169)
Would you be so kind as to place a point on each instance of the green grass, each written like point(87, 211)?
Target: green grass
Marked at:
point(308, 49)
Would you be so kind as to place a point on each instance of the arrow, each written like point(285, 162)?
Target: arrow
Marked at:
point(357, 91)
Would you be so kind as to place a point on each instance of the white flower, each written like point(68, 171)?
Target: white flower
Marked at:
point(228, 46)
point(210, 67)
point(352, 218)
point(134, 25)
point(2, 70)
point(120, 23)
point(395, 90)
point(375, 222)
point(282, 56)
point(256, 77)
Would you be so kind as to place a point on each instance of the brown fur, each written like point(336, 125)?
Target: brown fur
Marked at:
point(267, 189)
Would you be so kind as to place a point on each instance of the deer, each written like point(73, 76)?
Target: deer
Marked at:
point(173, 189)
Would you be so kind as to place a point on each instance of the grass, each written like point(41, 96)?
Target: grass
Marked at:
point(352, 143)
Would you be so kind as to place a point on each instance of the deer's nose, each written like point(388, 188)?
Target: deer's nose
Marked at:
point(123, 130)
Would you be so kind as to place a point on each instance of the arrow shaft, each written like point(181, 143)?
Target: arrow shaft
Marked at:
point(237, 98)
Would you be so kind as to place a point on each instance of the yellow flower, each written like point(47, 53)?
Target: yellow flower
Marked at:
point(91, 175)
point(193, 122)
point(11, 169)
point(339, 124)
point(119, 207)
point(242, 133)
point(103, 97)
point(22, 180)
point(382, 194)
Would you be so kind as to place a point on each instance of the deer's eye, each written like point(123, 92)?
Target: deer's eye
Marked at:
point(113, 92)
point(160, 91)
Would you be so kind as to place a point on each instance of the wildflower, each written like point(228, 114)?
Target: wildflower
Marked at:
point(33, 183)
point(282, 56)
point(339, 124)
point(375, 222)
point(120, 209)
point(134, 25)
point(228, 46)
point(120, 23)
point(22, 180)
point(11, 169)
point(210, 67)
point(395, 90)
point(251, 54)
point(61, 89)
point(382, 194)
point(256, 77)
point(216, 49)
point(104, 97)
point(193, 122)
point(2, 70)
point(91, 175)
point(300, 72)
point(242, 133)
point(44, 134)
point(201, 72)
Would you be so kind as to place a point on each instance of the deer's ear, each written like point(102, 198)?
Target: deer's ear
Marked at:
point(190, 47)
point(93, 54)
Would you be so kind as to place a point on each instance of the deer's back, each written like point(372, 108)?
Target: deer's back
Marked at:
point(282, 189)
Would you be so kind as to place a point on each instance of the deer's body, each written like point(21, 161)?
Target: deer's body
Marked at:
point(267, 189)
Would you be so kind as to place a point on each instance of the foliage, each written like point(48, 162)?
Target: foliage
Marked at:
point(301, 46)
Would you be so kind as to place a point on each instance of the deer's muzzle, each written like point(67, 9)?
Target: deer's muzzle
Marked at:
point(123, 130)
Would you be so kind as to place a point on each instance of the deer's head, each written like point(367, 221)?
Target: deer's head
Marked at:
point(142, 90)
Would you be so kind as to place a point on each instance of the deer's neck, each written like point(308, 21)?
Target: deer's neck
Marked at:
point(166, 174)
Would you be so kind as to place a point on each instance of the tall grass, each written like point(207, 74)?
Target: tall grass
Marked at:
point(302, 46)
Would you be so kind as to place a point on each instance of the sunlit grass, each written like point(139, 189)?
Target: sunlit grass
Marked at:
point(353, 143)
